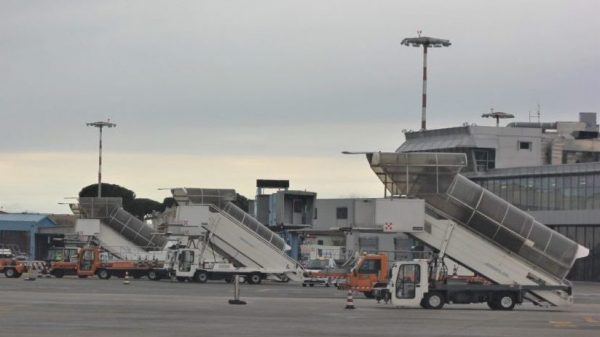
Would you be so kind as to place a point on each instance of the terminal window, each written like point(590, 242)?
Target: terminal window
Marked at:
point(341, 213)
point(524, 145)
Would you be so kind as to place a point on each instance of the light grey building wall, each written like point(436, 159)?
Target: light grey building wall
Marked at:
point(357, 218)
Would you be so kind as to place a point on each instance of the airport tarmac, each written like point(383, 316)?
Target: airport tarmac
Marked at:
point(91, 307)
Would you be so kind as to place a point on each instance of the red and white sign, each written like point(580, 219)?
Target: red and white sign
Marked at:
point(388, 227)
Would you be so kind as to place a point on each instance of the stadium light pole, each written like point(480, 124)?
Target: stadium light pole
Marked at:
point(100, 126)
point(426, 42)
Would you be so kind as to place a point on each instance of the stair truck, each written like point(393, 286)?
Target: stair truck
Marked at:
point(429, 200)
point(235, 243)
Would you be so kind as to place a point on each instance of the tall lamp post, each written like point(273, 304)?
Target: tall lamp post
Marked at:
point(101, 125)
point(425, 42)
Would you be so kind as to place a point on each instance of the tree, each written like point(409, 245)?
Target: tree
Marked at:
point(241, 202)
point(168, 202)
point(141, 207)
point(109, 190)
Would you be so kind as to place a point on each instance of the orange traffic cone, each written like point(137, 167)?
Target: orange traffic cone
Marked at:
point(126, 280)
point(349, 300)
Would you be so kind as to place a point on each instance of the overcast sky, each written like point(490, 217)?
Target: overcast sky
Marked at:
point(220, 93)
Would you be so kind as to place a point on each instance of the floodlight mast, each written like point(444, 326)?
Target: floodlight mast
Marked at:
point(101, 125)
point(426, 42)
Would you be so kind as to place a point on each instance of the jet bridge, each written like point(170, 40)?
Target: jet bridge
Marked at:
point(235, 234)
point(477, 228)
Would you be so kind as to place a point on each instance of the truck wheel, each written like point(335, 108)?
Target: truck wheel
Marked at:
point(369, 294)
point(505, 301)
point(254, 278)
point(492, 304)
point(153, 275)
point(58, 273)
point(201, 276)
point(304, 284)
point(434, 300)
point(10, 273)
point(181, 279)
point(311, 285)
point(103, 274)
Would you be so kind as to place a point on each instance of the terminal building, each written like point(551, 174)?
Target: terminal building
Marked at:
point(550, 170)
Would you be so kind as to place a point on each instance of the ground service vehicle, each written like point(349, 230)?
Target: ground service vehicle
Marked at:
point(415, 283)
point(322, 271)
point(459, 219)
point(240, 243)
point(370, 272)
point(10, 266)
point(188, 264)
point(365, 273)
point(92, 261)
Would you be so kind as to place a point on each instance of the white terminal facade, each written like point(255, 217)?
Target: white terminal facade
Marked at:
point(550, 170)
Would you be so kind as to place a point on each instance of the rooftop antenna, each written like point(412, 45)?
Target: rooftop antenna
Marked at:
point(537, 114)
point(425, 42)
point(498, 115)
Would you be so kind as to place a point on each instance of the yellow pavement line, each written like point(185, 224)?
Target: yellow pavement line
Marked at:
point(562, 324)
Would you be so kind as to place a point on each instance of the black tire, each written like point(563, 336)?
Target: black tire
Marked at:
point(254, 278)
point(311, 285)
point(369, 294)
point(58, 273)
point(181, 279)
point(434, 300)
point(153, 275)
point(505, 301)
point(10, 273)
point(228, 279)
point(304, 284)
point(201, 277)
point(492, 304)
point(103, 274)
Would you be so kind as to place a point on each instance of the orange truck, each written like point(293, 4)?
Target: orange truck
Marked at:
point(89, 262)
point(10, 266)
point(364, 274)
point(371, 271)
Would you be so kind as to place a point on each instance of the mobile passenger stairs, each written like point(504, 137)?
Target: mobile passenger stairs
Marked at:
point(432, 202)
point(233, 234)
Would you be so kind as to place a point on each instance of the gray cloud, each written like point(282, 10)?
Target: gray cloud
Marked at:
point(241, 76)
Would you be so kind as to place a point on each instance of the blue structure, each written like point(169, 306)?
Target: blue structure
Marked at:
point(25, 223)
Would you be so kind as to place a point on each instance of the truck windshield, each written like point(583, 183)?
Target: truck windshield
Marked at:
point(408, 277)
point(370, 267)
